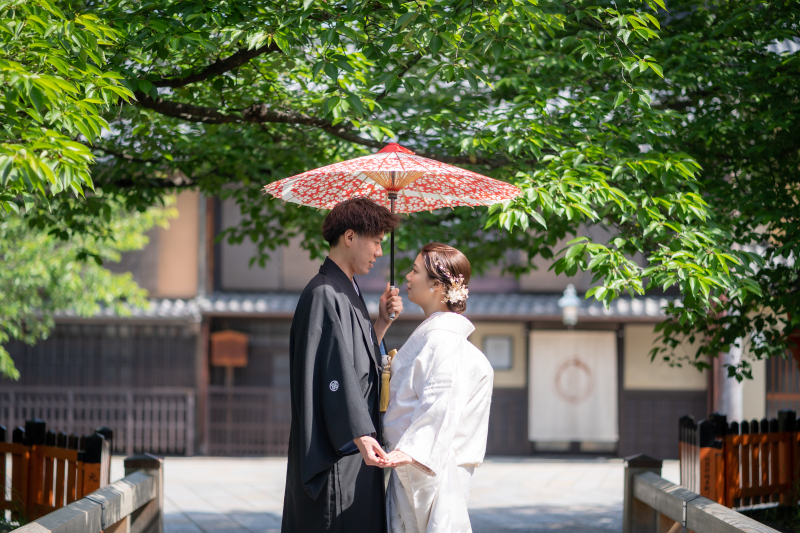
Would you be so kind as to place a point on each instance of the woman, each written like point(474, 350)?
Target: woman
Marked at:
point(438, 415)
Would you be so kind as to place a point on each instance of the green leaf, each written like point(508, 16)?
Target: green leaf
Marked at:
point(355, 102)
point(436, 44)
point(332, 71)
point(145, 86)
point(282, 42)
point(657, 69)
point(404, 19)
point(37, 98)
point(619, 99)
point(330, 104)
point(574, 251)
point(539, 218)
point(596, 260)
point(497, 51)
point(376, 132)
point(653, 20)
point(577, 240)
point(85, 130)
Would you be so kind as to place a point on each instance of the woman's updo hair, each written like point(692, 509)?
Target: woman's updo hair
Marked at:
point(436, 255)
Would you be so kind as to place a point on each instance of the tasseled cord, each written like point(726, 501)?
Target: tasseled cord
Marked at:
point(385, 375)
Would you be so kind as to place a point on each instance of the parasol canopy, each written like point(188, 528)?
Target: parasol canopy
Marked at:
point(396, 178)
point(417, 183)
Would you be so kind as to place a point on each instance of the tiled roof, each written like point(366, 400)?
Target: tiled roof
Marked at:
point(521, 306)
point(159, 308)
point(518, 306)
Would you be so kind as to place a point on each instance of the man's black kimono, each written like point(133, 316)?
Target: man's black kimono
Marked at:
point(335, 381)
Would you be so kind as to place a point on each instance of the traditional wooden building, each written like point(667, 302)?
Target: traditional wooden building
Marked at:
point(205, 370)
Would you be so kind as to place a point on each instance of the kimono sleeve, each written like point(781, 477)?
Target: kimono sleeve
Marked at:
point(434, 422)
point(333, 407)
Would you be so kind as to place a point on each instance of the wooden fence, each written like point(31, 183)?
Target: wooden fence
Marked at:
point(160, 420)
point(134, 504)
point(49, 470)
point(248, 421)
point(740, 465)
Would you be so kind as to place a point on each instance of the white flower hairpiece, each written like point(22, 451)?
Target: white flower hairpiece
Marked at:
point(457, 291)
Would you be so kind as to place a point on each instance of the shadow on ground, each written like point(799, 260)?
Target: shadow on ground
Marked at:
point(540, 518)
point(532, 519)
point(234, 522)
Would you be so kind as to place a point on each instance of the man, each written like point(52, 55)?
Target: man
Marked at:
point(334, 481)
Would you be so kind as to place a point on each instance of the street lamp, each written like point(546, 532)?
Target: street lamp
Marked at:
point(569, 304)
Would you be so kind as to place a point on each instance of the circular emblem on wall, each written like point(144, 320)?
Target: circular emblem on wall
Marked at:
point(574, 380)
point(334, 385)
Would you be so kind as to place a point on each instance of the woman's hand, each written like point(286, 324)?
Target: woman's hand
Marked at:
point(398, 458)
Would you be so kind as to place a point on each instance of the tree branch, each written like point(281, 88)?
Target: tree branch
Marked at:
point(263, 114)
point(218, 67)
point(122, 155)
point(188, 112)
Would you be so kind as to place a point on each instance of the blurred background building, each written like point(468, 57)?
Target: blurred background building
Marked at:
point(205, 370)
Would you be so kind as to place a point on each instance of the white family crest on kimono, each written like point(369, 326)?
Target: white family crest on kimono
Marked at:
point(438, 414)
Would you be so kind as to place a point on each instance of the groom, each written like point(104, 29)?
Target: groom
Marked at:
point(334, 481)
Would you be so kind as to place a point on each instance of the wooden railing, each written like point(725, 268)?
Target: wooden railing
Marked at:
point(160, 420)
point(134, 504)
point(739, 465)
point(654, 505)
point(49, 471)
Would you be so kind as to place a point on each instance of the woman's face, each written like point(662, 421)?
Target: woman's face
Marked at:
point(419, 285)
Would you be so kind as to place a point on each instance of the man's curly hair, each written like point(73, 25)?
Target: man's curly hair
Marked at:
point(362, 215)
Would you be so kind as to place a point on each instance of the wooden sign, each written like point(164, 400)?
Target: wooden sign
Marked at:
point(229, 348)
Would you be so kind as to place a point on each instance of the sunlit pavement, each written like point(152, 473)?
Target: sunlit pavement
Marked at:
point(215, 495)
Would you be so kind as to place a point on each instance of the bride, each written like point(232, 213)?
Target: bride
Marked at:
point(437, 420)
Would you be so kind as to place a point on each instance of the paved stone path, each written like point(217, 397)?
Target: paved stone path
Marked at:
point(521, 495)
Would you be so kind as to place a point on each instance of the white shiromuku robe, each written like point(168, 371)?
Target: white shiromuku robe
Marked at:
point(440, 392)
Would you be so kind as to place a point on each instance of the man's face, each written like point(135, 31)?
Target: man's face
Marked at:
point(364, 251)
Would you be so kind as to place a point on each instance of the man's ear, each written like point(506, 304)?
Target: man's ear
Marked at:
point(348, 237)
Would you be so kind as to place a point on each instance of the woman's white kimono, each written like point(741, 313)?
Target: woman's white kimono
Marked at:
point(438, 414)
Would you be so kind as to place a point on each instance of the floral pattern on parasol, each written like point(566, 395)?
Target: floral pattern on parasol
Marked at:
point(421, 184)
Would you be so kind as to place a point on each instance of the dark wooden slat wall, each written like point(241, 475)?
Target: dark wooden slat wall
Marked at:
point(108, 355)
point(508, 423)
point(159, 420)
point(649, 420)
point(783, 386)
point(248, 421)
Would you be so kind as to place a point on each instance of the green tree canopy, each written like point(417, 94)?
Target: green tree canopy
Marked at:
point(43, 274)
point(670, 128)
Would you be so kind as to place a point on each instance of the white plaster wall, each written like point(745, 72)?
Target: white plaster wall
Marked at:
point(754, 393)
point(640, 373)
point(235, 270)
point(515, 376)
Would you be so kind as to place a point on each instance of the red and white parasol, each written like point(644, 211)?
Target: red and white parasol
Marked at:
point(419, 184)
point(396, 178)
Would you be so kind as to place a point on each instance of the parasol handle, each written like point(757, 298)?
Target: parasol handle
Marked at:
point(392, 197)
